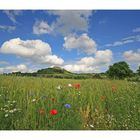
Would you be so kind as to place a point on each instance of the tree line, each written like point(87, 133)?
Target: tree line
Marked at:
point(119, 70)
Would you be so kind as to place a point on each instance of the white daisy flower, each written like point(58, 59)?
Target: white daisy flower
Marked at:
point(11, 111)
point(58, 87)
point(1, 109)
point(14, 101)
point(33, 100)
point(91, 125)
point(69, 85)
point(14, 109)
point(6, 115)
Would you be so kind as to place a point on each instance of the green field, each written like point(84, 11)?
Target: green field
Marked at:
point(25, 104)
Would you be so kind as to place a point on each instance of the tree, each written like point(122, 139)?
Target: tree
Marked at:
point(138, 70)
point(119, 70)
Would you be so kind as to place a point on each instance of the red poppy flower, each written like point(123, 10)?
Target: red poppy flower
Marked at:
point(41, 111)
point(53, 99)
point(53, 112)
point(77, 86)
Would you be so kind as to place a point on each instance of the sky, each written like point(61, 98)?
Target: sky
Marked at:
point(81, 41)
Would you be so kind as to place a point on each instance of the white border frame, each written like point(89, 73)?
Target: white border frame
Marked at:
point(69, 4)
point(70, 135)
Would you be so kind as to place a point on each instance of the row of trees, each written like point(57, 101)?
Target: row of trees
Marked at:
point(121, 70)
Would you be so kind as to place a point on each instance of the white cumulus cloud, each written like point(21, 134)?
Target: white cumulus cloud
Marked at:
point(18, 68)
point(91, 64)
point(79, 68)
point(34, 50)
point(41, 27)
point(66, 22)
point(83, 43)
point(132, 56)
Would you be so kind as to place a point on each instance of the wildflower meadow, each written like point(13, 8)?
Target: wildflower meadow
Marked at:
point(33, 103)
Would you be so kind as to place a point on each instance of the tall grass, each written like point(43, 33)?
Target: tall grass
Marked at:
point(96, 105)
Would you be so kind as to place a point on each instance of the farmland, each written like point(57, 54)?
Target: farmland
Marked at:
point(27, 103)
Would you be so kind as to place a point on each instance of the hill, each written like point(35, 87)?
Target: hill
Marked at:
point(54, 70)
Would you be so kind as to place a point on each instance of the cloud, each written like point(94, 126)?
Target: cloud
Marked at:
point(12, 14)
point(119, 43)
point(101, 58)
point(91, 64)
point(18, 68)
point(4, 63)
point(79, 68)
point(124, 41)
point(41, 27)
point(83, 43)
point(36, 51)
point(136, 29)
point(66, 22)
point(132, 56)
point(7, 28)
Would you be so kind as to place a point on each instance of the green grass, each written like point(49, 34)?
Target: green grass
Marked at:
point(96, 108)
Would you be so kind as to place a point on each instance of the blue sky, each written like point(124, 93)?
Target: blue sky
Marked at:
point(79, 41)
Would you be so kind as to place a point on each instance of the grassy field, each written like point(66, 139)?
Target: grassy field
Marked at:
point(26, 102)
